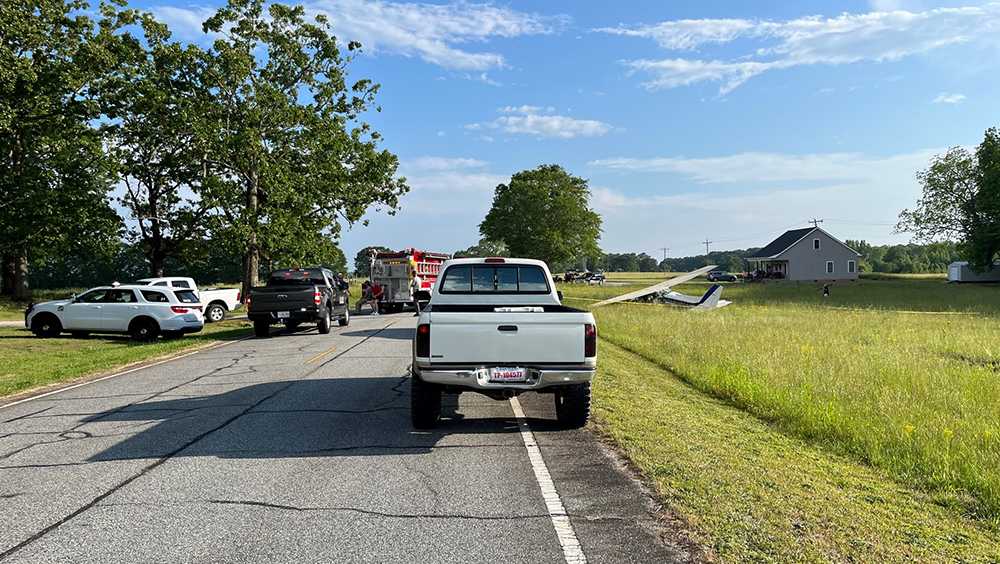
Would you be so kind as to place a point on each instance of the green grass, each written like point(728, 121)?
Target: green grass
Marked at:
point(13, 310)
point(28, 362)
point(875, 371)
point(752, 493)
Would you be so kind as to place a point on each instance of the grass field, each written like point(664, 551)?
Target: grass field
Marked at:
point(28, 362)
point(900, 375)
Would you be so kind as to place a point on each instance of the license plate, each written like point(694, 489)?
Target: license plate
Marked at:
point(508, 374)
point(283, 315)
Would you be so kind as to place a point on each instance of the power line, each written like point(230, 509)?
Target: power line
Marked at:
point(665, 251)
point(707, 243)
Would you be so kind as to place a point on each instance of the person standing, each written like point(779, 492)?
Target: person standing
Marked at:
point(415, 285)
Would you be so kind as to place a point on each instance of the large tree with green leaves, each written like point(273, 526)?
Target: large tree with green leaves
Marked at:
point(544, 214)
point(283, 133)
point(961, 201)
point(152, 104)
point(54, 175)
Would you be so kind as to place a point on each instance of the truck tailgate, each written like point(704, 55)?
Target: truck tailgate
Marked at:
point(281, 298)
point(508, 338)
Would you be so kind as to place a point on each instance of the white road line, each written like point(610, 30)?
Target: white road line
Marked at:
point(122, 373)
point(572, 551)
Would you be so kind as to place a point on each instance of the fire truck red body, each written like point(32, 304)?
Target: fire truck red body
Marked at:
point(395, 272)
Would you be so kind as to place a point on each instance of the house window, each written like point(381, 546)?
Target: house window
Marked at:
point(851, 266)
point(815, 244)
point(829, 267)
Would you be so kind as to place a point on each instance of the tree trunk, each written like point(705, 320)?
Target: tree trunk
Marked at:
point(7, 275)
point(22, 290)
point(251, 256)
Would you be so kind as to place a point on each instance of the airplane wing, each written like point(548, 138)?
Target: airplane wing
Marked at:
point(665, 285)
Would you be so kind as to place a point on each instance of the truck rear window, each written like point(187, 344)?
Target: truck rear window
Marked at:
point(296, 278)
point(489, 279)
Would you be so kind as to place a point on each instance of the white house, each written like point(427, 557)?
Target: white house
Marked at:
point(807, 254)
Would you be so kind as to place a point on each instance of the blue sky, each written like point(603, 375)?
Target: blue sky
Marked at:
point(727, 120)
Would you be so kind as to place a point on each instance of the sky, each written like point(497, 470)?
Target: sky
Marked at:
point(727, 121)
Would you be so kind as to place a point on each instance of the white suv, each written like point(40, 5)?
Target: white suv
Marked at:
point(143, 312)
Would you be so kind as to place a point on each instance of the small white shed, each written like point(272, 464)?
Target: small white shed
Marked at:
point(962, 272)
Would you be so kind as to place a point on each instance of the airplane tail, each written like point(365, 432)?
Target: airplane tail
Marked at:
point(711, 298)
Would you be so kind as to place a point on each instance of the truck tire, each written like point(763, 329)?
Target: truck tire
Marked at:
point(425, 403)
point(324, 322)
point(261, 328)
point(215, 312)
point(573, 405)
point(46, 325)
point(345, 319)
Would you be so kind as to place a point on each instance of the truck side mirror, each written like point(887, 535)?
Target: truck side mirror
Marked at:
point(559, 295)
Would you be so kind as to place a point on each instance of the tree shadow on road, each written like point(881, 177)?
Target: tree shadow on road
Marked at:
point(320, 417)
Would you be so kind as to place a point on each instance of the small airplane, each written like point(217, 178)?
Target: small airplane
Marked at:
point(661, 292)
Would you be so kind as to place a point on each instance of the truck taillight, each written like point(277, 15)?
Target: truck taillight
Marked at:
point(423, 340)
point(317, 297)
point(178, 309)
point(589, 341)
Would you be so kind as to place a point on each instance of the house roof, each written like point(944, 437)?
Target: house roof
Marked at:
point(779, 245)
point(789, 238)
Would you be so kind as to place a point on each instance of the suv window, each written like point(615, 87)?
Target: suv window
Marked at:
point(93, 297)
point(154, 296)
point(120, 297)
point(489, 279)
point(180, 284)
point(186, 296)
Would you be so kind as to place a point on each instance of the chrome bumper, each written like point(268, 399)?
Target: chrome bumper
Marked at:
point(478, 378)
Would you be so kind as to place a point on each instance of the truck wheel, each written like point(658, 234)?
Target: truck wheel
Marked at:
point(46, 325)
point(324, 322)
point(573, 405)
point(425, 403)
point(346, 319)
point(215, 313)
point(261, 328)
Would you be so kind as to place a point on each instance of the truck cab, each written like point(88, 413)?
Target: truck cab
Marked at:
point(497, 326)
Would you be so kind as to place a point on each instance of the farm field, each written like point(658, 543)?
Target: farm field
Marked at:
point(28, 362)
point(901, 375)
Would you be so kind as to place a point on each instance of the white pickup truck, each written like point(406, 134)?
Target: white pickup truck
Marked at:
point(497, 326)
point(216, 301)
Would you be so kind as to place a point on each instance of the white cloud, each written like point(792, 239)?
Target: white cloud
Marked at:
point(540, 122)
point(849, 38)
point(774, 167)
point(946, 98)
point(435, 33)
point(444, 163)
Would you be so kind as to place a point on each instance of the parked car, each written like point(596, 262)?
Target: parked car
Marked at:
point(497, 327)
point(141, 311)
point(216, 301)
point(299, 295)
point(721, 276)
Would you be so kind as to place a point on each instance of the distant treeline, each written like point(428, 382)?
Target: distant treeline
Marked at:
point(911, 258)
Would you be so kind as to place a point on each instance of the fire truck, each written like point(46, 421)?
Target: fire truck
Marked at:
point(395, 271)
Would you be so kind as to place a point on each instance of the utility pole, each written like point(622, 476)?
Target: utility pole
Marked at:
point(815, 222)
point(665, 251)
point(707, 243)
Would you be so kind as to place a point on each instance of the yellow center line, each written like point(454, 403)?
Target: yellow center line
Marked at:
point(321, 355)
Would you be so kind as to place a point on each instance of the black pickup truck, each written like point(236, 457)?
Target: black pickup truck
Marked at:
point(299, 295)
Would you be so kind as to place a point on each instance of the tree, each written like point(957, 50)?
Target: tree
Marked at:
point(155, 148)
point(484, 248)
point(961, 201)
point(544, 214)
point(54, 176)
point(282, 134)
point(363, 260)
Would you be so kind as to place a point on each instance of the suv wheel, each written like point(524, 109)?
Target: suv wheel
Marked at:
point(261, 328)
point(573, 405)
point(215, 313)
point(345, 320)
point(425, 403)
point(324, 322)
point(46, 325)
point(144, 330)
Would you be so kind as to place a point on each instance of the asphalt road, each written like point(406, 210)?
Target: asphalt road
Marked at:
point(299, 448)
